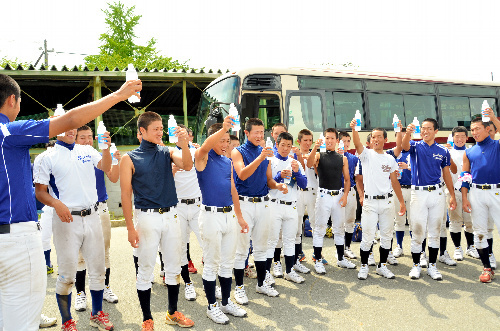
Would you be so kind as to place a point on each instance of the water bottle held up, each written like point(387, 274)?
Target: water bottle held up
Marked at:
point(233, 111)
point(416, 133)
point(172, 125)
point(341, 146)
point(58, 112)
point(450, 140)
point(485, 105)
point(131, 74)
point(101, 141)
point(322, 148)
point(289, 168)
point(112, 150)
point(269, 143)
point(357, 117)
point(395, 122)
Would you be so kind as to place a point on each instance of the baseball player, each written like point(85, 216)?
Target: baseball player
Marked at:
point(147, 171)
point(253, 179)
point(379, 179)
point(428, 162)
point(219, 218)
point(331, 198)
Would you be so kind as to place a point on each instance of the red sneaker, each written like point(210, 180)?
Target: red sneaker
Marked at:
point(69, 326)
point(179, 319)
point(148, 325)
point(101, 321)
point(191, 267)
point(487, 275)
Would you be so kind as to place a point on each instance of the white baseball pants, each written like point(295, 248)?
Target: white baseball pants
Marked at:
point(188, 218)
point(484, 204)
point(329, 206)
point(381, 212)
point(350, 210)
point(400, 221)
point(306, 200)
point(46, 225)
point(283, 219)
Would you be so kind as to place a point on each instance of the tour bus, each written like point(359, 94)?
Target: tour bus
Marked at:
point(317, 99)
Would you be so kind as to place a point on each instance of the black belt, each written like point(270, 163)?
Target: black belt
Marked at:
point(99, 202)
point(405, 186)
point(226, 209)
point(4, 228)
point(254, 199)
point(84, 212)
point(158, 210)
point(190, 201)
point(329, 192)
point(307, 189)
point(287, 203)
point(486, 186)
point(378, 197)
point(429, 188)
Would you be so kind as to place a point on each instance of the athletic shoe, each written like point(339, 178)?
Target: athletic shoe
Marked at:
point(302, 256)
point(250, 273)
point(191, 268)
point(218, 292)
point(46, 321)
point(434, 272)
point(50, 270)
point(81, 301)
point(277, 270)
point(189, 292)
point(240, 296)
point(423, 260)
point(384, 271)
point(299, 267)
point(216, 314)
point(345, 263)
point(294, 277)
point(69, 326)
point(101, 321)
point(267, 290)
point(269, 279)
point(458, 254)
point(349, 254)
point(233, 309)
point(179, 319)
point(487, 275)
point(398, 251)
point(109, 296)
point(493, 261)
point(371, 259)
point(363, 272)
point(391, 259)
point(415, 271)
point(320, 268)
point(472, 252)
point(446, 259)
point(148, 325)
point(325, 262)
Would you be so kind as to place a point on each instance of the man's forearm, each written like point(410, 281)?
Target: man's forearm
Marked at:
point(127, 210)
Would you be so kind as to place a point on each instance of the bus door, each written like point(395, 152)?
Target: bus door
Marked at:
point(305, 109)
point(265, 106)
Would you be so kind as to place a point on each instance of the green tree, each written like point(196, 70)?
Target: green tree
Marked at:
point(12, 63)
point(118, 47)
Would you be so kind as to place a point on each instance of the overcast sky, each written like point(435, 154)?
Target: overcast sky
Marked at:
point(439, 38)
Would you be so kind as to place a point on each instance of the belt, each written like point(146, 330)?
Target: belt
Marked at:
point(99, 202)
point(405, 186)
point(287, 203)
point(226, 209)
point(428, 188)
point(486, 186)
point(330, 192)
point(254, 199)
point(85, 212)
point(158, 210)
point(190, 201)
point(378, 197)
point(307, 189)
point(4, 228)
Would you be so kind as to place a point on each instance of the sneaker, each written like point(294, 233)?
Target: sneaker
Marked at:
point(189, 292)
point(81, 301)
point(415, 271)
point(191, 268)
point(302, 256)
point(46, 321)
point(319, 268)
point(434, 272)
point(391, 259)
point(69, 326)
point(371, 259)
point(109, 296)
point(233, 309)
point(101, 321)
point(493, 261)
point(148, 325)
point(325, 262)
point(384, 271)
point(50, 270)
point(269, 279)
point(345, 263)
point(250, 273)
point(423, 260)
point(216, 314)
point(294, 277)
point(179, 319)
point(299, 267)
point(398, 251)
point(363, 272)
point(218, 292)
point(487, 275)
point(277, 270)
point(240, 296)
point(349, 254)
point(472, 252)
point(267, 290)
point(446, 259)
point(458, 254)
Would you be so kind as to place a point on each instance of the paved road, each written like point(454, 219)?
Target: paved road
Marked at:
point(335, 301)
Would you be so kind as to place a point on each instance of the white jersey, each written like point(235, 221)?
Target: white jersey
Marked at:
point(312, 177)
point(72, 172)
point(279, 165)
point(376, 171)
point(186, 182)
point(458, 157)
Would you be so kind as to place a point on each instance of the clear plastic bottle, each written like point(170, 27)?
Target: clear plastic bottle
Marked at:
point(112, 150)
point(131, 74)
point(357, 117)
point(288, 167)
point(485, 105)
point(395, 122)
point(341, 147)
point(172, 125)
point(233, 111)
point(416, 133)
point(322, 148)
point(101, 130)
point(400, 172)
point(58, 112)
point(450, 140)
point(269, 143)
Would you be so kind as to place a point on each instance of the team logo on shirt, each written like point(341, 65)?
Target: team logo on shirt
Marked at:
point(386, 168)
point(438, 157)
point(85, 158)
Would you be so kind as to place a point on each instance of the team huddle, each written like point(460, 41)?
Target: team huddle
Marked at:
point(248, 198)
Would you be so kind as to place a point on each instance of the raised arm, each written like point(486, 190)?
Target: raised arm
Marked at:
point(239, 166)
point(182, 159)
point(407, 137)
point(313, 158)
point(399, 141)
point(114, 174)
point(201, 154)
point(355, 137)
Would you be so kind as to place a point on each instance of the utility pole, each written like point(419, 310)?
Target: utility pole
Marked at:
point(45, 52)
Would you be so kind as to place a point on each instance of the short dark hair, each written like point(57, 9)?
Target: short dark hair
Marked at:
point(83, 128)
point(383, 131)
point(369, 137)
point(146, 118)
point(279, 124)
point(233, 137)
point(304, 132)
point(332, 130)
point(8, 86)
point(182, 126)
point(250, 123)
point(51, 143)
point(490, 123)
point(214, 128)
point(285, 136)
point(433, 121)
point(343, 134)
point(459, 129)
point(480, 120)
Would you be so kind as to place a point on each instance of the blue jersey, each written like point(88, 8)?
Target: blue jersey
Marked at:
point(215, 181)
point(256, 184)
point(484, 157)
point(427, 162)
point(403, 157)
point(17, 198)
point(352, 161)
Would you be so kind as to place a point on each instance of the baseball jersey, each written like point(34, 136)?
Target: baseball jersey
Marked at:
point(457, 155)
point(186, 182)
point(256, 184)
point(403, 157)
point(427, 162)
point(484, 158)
point(377, 169)
point(279, 163)
point(352, 162)
point(215, 181)
point(330, 167)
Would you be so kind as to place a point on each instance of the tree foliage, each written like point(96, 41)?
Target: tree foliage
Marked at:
point(13, 63)
point(118, 47)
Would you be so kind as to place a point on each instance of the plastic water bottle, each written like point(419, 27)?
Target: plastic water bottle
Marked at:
point(172, 125)
point(101, 142)
point(450, 140)
point(416, 133)
point(288, 167)
point(485, 105)
point(395, 122)
point(322, 148)
point(400, 172)
point(357, 117)
point(58, 112)
point(131, 74)
point(112, 150)
point(269, 143)
point(341, 147)
point(236, 122)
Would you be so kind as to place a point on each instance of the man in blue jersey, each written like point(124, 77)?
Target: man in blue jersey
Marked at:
point(20, 241)
point(219, 218)
point(428, 162)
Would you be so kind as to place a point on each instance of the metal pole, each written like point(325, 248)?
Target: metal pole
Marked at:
point(97, 83)
point(46, 53)
point(184, 103)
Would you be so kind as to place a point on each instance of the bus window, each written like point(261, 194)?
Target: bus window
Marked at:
point(382, 109)
point(263, 106)
point(454, 110)
point(420, 106)
point(345, 105)
point(304, 112)
point(476, 103)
